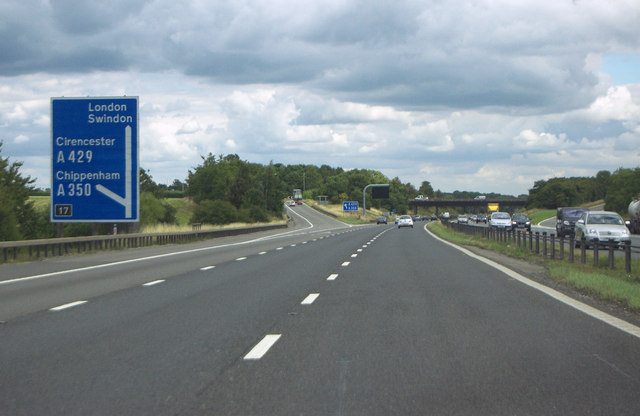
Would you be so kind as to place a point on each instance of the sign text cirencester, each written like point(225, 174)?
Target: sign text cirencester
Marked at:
point(94, 159)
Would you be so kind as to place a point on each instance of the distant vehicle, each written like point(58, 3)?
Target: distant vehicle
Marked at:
point(422, 198)
point(415, 218)
point(463, 219)
point(500, 220)
point(381, 220)
point(445, 216)
point(601, 227)
point(434, 217)
point(480, 197)
point(566, 218)
point(481, 218)
point(297, 196)
point(634, 216)
point(521, 221)
point(291, 203)
point(405, 221)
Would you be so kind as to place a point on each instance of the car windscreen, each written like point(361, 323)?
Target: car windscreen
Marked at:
point(604, 219)
point(572, 214)
point(501, 216)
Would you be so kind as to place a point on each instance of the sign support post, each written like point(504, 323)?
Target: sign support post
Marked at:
point(364, 196)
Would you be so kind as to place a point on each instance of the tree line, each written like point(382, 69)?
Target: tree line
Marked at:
point(227, 189)
point(616, 189)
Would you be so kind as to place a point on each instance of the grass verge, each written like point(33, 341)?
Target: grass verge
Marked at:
point(351, 218)
point(596, 281)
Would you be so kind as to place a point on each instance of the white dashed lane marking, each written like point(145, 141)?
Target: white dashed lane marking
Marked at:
point(310, 299)
point(262, 347)
point(67, 306)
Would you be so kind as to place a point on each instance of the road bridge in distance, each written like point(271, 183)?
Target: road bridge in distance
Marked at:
point(508, 205)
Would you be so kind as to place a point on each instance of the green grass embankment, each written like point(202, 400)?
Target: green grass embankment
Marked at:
point(597, 281)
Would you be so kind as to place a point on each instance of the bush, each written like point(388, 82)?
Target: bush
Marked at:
point(252, 214)
point(153, 210)
point(215, 212)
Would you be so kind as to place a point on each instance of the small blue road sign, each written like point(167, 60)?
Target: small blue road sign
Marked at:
point(350, 205)
point(94, 159)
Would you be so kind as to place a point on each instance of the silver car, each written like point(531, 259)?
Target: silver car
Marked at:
point(500, 220)
point(601, 227)
point(405, 221)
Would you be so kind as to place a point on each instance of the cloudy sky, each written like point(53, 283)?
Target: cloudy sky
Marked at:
point(486, 96)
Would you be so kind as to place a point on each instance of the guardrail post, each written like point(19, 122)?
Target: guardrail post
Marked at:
point(561, 247)
point(627, 257)
point(553, 246)
point(572, 241)
point(544, 244)
point(612, 247)
point(537, 242)
point(596, 251)
point(583, 250)
point(530, 241)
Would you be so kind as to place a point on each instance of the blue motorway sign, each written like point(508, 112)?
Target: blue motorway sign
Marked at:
point(94, 159)
point(350, 206)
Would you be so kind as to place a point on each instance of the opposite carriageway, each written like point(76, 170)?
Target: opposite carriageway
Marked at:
point(508, 205)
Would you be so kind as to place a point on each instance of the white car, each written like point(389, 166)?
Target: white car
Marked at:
point(602, 227)
point(405, 221)
point(500, 220)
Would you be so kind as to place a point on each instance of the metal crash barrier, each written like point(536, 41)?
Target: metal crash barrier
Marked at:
point(552, 247)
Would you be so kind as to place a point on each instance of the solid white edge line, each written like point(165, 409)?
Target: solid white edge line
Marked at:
point(310, 299)
point(584, 308)
point(333, 276)
point(262, 347)
point(158, 256)
point(204, 269)
point(241, 258)
point(175, 253)
point(67, 305)
point(155, 282)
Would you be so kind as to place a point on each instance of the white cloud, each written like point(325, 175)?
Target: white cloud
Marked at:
point(529, 139)
point(462, 94)
point(21, 139)
point(617, 104)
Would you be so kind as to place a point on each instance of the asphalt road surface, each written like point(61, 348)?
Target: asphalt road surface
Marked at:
point(319, 319)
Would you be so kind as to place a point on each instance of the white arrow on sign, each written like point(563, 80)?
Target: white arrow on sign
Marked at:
point(128, 183)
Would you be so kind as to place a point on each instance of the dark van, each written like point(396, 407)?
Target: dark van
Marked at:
point(566, 218)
